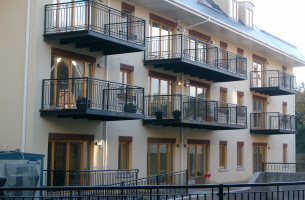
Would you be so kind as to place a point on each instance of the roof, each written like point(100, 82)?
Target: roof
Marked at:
point(208, 7)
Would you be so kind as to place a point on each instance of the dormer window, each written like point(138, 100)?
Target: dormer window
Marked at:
point(234, 9)
point(249, 17)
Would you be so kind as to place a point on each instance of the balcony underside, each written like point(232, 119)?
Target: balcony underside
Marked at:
point(187, 123)
point(273, 91)
point(96, 42)
point(272, 132)
point(196, 69)
point(91, 114)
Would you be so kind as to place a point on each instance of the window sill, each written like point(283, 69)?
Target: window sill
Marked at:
point(223, 170)
point(240, 169)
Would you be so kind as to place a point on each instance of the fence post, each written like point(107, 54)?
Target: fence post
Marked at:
point(220, 192)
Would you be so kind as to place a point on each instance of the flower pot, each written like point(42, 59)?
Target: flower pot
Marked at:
point(158, 115)
point(82, 105)
point(177, 114)
point(130, 109)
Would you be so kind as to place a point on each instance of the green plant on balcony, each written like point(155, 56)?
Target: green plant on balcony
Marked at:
point(177, 114)
point(82, 103)
point(159, 114)
point(130, 107)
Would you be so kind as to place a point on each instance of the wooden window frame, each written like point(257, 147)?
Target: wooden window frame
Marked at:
point(223, 154)
point(285, 153)
point(240, 155)
point(264, 154)
point(123, 76)
point(121, 159)
point(204, 146)
point(52, 141)
point(168, 146)
point(284, 109)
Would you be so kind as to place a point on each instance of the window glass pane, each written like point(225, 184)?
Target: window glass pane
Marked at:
point(154, 86)
point(153, 159)
point(155, 29)
point(206, 158)
point(164, 30)
point(125, 156)
point(121, 77)
point(170, 161)
point(192, 161)
point(74, 163)
point(60, 163)
point(62, 68)
point(88, 70)
point(163, 158)
point(77, 69)
point(86, 155)
point(120, 156)
point(200, 92)
point(192, 91)
point(127, 81)
point(199, 160)
point(164, 87)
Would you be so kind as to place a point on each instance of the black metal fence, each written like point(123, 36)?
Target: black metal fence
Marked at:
point(93, 16)
point(76, 93)
point(87, 177)
point(273, 121)
point(283, 167)
point(273, 78)
point(195, 108)
point(173, 178)
point(258, 191)
point(190, 48)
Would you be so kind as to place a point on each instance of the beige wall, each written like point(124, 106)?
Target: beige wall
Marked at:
point(38, 128)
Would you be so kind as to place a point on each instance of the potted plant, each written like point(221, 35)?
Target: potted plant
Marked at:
point(81, 103)
point(177, 114)
point(130, 107)
point(158, 114)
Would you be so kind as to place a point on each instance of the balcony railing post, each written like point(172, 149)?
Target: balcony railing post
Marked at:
point(236, 112)
point(279, 79)
point(220, 192)
point(182, 45)
point(279, 118)
point(89, 13)
point(108, 93)
point(42, 98)
point(87, 91)
point(227, 60)
point(45, 19)
point(217, 57)
point(66, 17)
point(196, 49)
point(236, 64)
point(227, 113)
point(143, 92)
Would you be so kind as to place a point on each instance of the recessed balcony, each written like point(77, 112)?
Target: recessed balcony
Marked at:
point(92, 99)
point(194, 112)
point(273, 82)
point(181, 53)
point(272, 123)
point(90, 24)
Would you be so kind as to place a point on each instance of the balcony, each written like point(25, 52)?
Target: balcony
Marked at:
point(273, 82)
point(193, 112)
point(270, 123)
point(197, 58)
point(90, 24)
point(92, 99)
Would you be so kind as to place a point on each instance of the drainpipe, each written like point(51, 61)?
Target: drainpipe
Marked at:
point(106, 124)
point(25, 84)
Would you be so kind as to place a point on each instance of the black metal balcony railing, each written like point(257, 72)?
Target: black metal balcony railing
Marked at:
point(93, 16)
point(273, 121)
point(273, 78)
point(195, 108)
point(192, 49)
point(95, 94)
point(87, 177)
point(173, 178)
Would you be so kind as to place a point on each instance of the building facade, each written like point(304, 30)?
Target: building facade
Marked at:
point(91, 77)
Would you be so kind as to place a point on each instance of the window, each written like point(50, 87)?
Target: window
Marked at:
point(240, 155)
point(241, 63)
point(239, 99)
point(68, 154)
point(240, 96)
point(223, 55)
point(259, 156)
point(234, 9)
point(259, 108)
point(125, 76)
point(258, 67)
point(285, 153)
point(249, 15)
point(123, 155)
point(284, 107)
point(159, 156)
point(198, 158)
point(127, 29)
point(222, 154)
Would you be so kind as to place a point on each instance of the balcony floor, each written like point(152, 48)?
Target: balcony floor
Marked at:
point(91, 114)
point(95, 41)
point(196, 69)
point(273, 91)
point(187, 123)
point(272, 132)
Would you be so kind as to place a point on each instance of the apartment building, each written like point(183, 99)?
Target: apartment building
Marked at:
point(158, 86)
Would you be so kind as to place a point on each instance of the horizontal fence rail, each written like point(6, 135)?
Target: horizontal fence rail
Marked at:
point(273, 78)
point(195, 108)
point(273, 121)
point(75, 93)
point(190, 48)
point(258, 191)
point(93, 16)
point(283, 167)
point(87, 177)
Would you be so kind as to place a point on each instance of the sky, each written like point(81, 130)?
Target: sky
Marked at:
point(283, 19)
